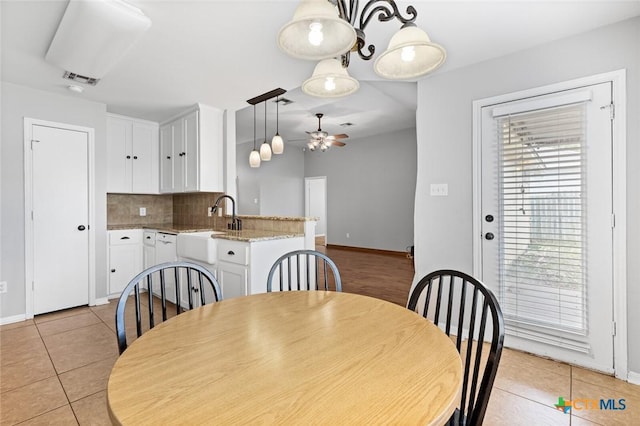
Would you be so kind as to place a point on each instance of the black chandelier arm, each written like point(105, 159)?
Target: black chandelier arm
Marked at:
point(386, 11)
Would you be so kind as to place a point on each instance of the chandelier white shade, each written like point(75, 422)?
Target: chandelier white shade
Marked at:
point(277, 144)
point(316, 32)
point(410, 54)
point(330, 80)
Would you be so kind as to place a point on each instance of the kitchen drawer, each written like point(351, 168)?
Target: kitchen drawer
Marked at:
point(233, 252)
point(125, 236)
point(166, 238)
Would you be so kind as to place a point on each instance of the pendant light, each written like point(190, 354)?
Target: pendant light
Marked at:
point(265, 149)
point(254, 157)
point(277, 144)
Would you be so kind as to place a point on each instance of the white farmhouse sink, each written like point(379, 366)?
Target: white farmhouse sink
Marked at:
point(198, 246)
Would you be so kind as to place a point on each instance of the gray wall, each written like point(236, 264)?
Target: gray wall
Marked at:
point(443, 225)
point(278, 185)
point(370, 190)
point(19, 102)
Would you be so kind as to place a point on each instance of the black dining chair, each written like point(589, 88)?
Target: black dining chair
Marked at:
point(469, 312)
point(172, 288)
point(304, 270)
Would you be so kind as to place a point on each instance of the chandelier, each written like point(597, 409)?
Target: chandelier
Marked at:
point(277, 144)
point(330, 30)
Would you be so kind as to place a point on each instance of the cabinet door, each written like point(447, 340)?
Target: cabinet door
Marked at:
point(119, 134)
point(179, 155)
point(190, 157)
point(144, 155)
point(149, 255)
point(232, 279)
point(166, 158)
point(124, 263)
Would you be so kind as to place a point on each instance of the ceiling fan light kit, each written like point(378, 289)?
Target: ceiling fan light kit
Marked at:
point(316, 33)
point(322, 140)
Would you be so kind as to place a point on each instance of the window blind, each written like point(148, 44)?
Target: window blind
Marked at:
point(543, 239)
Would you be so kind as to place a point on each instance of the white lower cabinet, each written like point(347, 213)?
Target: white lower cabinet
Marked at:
point(233, 268)
point(125, 258)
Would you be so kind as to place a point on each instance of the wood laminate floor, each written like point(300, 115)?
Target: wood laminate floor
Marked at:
point(54, 368)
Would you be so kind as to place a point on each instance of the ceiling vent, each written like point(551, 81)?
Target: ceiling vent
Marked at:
point(80, 78)
point(283, 101)
point(347, 124)
point(94, 35)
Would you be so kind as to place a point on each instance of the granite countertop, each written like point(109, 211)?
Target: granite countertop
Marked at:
point(282, 218)
point(248, 235)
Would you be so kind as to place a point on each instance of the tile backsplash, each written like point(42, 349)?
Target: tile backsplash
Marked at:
point(166, 209)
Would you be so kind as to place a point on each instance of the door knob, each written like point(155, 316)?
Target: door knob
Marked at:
point(488, 218)
point(489, 236)
point(81, 228)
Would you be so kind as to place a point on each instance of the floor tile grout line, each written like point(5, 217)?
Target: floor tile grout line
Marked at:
point(524, 397)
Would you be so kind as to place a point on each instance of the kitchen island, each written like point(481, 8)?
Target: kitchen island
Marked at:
point(240, 260)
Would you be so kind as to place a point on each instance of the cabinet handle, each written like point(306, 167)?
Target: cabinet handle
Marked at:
point(113, 270)
point(231, 253)
point(148, 238)
point(124, 238)
point(128, 157)
point(135, 157)
point(168, 157)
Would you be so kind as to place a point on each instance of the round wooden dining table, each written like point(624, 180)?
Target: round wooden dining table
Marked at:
point(297, 357)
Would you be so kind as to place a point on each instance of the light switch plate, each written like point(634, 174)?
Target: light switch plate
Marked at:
point(439, 189)
point(143, 211)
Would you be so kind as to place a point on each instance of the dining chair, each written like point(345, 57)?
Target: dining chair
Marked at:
point(469, 312)
point(187, 283)
point(304, 270)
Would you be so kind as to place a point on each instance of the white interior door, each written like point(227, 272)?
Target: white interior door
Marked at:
point(60, 203)
point(546, 214)
point(316, 202)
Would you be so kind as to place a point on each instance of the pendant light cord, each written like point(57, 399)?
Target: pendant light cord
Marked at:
point(277, 115)
point(265, 121)
point(254, 127)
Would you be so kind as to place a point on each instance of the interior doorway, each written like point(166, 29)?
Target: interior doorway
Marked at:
point(315, 205)
point(59, 238)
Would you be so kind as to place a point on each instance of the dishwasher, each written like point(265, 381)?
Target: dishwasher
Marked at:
point(165, 251)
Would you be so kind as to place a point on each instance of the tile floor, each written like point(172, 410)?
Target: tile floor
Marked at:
point(54, 370)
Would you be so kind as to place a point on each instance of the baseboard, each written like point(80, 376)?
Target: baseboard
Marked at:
point(101, 301)
point(633, 378)
point(368, 250)
point(15, 318)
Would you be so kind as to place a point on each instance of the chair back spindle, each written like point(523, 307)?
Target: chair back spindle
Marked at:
point(304, 270)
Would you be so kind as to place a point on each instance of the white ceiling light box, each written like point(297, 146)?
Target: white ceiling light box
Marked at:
point(94, 35)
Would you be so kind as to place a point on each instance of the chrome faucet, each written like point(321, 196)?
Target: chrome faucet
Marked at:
point(236, 224)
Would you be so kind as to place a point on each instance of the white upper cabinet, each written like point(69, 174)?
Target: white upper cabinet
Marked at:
point(191, 152)
point(132, 156)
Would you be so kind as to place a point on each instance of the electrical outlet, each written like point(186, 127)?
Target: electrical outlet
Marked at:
point(348, 236)
point(219, 212)
point(3, 287)
point(209, 213)
point(439, 189)
point(143, 211)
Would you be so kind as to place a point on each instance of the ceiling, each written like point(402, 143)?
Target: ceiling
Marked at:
point(222, 53)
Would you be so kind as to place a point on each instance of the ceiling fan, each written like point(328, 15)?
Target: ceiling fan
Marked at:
point(322, 140)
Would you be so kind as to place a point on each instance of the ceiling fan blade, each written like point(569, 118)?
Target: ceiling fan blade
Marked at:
point(337, 143)
point(341, 136)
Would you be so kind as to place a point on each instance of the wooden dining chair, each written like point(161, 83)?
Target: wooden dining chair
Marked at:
point(468, 312)
point(304, 270)
point(170, 287)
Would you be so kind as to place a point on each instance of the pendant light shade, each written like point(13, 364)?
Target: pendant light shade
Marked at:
point(265, 151)
point(316, 32)
point(410, 54)
point(277, 144)
point(254, 158)
point(330, 80)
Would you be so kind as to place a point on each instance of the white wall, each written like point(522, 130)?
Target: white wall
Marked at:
point(277, 185)
point(19, 102)
point(443, 225)
point(370, 190)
